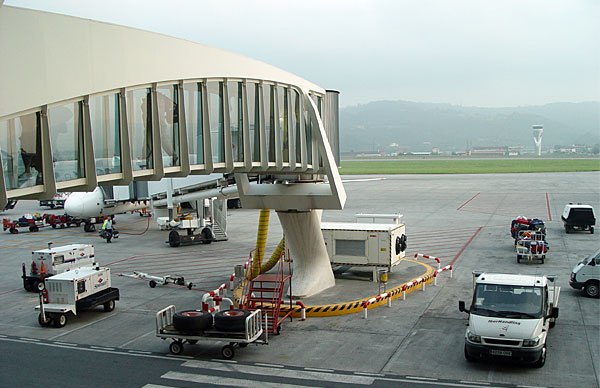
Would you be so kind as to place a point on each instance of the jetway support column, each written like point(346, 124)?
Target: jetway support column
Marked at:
point(303, 236)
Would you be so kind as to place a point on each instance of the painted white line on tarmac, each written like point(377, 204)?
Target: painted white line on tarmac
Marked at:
point(268, 365)
point(29, 339)
point(64, 343)
point(277, 372)
point(319, 370)
point(218, 380)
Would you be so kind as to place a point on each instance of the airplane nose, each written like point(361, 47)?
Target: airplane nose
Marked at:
point(73, 207)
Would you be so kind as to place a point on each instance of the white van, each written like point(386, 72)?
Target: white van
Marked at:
point(586, 275)
point(510, 316)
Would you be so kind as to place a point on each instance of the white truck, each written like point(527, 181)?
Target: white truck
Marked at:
point(374, 244)
point(586, 275)
point(510, 316)
point(80, 288)
point(52, 261)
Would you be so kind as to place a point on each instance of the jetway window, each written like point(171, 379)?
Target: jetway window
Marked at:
point(253, 120)
point(168, 122)
point(308, 128)
point(296, 125)
point(234, 91)
point(66, 136)
point(269, 117)
point(21, 151)
point(215, 118)
point(139, 122)
point(282, 102)
point(192, 97)
point(106, 133)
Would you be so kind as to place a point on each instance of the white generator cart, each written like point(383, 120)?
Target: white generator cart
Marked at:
point(238, 327)
point(53, 261)
point(68, 292)
point(377, 245)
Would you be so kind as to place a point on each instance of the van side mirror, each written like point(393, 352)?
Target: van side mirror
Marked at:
point(554, 313)
point(461, 307)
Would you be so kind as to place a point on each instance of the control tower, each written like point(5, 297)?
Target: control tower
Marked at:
point(537, 138)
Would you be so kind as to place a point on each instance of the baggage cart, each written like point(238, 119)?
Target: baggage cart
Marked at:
point(253, 333)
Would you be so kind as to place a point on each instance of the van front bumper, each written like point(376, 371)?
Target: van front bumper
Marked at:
point(527, 355)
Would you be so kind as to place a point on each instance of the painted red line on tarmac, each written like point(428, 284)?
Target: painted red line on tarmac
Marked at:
point(548, 207)
point(466, 245)
point(465, 204)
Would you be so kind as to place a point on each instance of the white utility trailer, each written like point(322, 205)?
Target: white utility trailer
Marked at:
point(80, 288)
point(252, 333)
point(52, 261)
point(371, 244)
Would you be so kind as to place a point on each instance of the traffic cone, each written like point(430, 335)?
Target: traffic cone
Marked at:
point(43, 269)
point(33, 268)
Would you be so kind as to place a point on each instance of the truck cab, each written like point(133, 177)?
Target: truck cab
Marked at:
point(586, 275)
point(510, 316)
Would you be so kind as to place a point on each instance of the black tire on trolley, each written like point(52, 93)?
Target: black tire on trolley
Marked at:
point(231, 320)
point(176, 347)
point(227, 352)
point(192, 321)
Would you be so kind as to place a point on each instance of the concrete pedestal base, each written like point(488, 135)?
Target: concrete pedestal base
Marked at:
point(303, 237)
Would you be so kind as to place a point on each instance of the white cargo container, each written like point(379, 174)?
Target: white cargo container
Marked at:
point(365, 244)
point(65, 293)
point(53, 261)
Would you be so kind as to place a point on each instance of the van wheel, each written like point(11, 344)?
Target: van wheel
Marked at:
point(591, 289)
point(468, 357)
point(542, 360)
point(591, 229)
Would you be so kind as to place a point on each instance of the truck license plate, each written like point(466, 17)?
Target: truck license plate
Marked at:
point(496, 352)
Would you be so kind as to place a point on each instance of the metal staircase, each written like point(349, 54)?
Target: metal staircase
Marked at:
point(265, 292)
point(219, 233)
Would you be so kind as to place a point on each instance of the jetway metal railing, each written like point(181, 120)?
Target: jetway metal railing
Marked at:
point(171, 129)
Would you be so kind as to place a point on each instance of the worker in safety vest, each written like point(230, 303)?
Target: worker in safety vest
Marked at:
point(107, 227)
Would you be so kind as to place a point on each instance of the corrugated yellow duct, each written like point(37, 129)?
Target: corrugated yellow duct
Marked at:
point(261, 241)
point(274, 257)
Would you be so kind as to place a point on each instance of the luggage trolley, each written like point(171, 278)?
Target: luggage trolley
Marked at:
point(252, 333)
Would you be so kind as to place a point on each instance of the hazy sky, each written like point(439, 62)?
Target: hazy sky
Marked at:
point(464, 52)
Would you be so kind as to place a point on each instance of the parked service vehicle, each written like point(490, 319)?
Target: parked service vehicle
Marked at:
point(68, 292)
point(510, 316)
point(586, 275)
point(52, 261)
point(366, 244)
point(578, 217)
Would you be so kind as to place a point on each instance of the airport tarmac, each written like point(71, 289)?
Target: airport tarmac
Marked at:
point(462, 219)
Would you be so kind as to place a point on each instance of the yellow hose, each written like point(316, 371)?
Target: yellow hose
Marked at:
point(261, 241)
point(274, 257)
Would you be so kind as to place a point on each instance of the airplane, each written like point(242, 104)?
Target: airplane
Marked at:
point(169, 200)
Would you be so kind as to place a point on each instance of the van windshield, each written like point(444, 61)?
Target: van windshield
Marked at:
point(593, 256)
point(508, 301)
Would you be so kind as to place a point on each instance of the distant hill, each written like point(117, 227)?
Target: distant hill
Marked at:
point(420, 126)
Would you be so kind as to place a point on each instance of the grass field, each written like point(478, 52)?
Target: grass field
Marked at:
point(467, 166)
